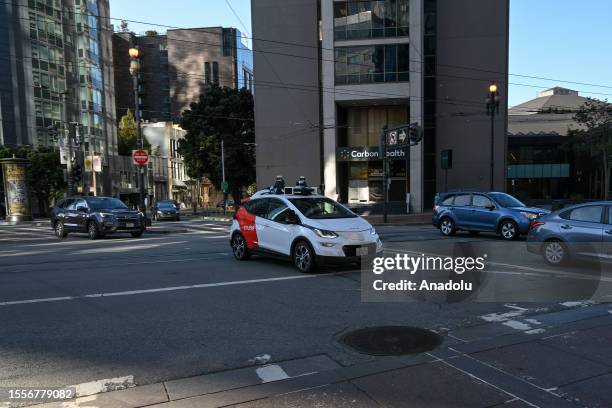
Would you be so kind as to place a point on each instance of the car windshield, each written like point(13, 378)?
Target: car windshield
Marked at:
point(103, 203)
point(506, 200)
point(321, 208)
point(166, 204)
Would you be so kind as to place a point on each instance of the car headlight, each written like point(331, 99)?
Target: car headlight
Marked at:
point(325, 233)
point(159, 212)
point(529, 215)
point(372, 231)
point(107, 216)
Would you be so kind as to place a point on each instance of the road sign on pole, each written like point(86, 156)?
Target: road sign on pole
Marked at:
point(140, 157)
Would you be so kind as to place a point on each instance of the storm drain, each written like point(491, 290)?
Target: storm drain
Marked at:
point(391, 340)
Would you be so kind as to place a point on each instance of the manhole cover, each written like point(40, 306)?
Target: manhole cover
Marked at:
point(392, 340)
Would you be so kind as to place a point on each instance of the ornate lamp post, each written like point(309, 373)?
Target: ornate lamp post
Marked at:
point(134, 71)
point(492, 110)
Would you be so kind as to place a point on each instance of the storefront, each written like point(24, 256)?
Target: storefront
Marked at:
point(359, 162)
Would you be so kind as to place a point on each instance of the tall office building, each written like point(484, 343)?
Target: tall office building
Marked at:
point(332, 73)
point(47, 48)
point(177, 65)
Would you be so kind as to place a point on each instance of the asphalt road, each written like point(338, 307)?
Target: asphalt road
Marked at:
point(170, 306)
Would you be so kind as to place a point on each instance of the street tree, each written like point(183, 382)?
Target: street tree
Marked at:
point(595, 136)
point(128, 135)
point(221, 113)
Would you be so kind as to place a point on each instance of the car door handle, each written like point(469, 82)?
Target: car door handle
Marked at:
point(566, 227)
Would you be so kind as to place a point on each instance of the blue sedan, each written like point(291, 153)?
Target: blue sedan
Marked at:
point(580, 231)
point(487, 212)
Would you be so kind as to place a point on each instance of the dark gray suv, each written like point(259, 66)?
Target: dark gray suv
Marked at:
point(96, 216)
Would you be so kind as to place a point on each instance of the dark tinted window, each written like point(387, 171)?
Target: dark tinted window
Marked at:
point(481, 201)
point(587, 214)
point(70, 204)
point(506, 200)
point(61, 203)
point(275, 208)
point(463, 199)
point(257, 207)
point(321, 208)
point(448, 201)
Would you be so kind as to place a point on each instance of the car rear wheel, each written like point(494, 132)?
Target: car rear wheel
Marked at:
point(447, 227)
point(60, 230)
point(508, 230)
point(555, 253)
point(239, 247)
point(304, 257)
point(92, 230)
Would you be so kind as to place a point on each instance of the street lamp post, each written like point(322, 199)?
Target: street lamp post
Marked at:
point(134, 71)
point(492, 109)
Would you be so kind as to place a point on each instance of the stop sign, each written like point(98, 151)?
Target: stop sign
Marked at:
point(140, 157)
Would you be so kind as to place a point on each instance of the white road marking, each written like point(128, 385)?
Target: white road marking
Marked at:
point(576, 303)
point(125, 248)
point(516, 325)
point(99, 386)
point(271, 372)
point(535, 331)
point(502, 317)
point(166, 289)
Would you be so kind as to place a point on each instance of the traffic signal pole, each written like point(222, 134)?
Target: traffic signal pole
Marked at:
point(223, 178)
point(68, 139)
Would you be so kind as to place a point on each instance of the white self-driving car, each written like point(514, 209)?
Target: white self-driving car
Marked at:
point(308, 228)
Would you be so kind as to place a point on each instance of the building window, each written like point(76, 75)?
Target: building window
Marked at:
point(368, 64)
point(228, 41)
point(358, 19)
point(215, 71)
point(207, 72)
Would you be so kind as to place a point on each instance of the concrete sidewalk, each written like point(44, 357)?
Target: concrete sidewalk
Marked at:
point(402, 219)
point(555, 359)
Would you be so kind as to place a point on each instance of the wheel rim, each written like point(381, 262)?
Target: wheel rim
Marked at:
point(59, 229)
point(446, 227)
point(302, 257)
point(92, 230)
point(508, 230)
point(554, 252)
point(238, 247)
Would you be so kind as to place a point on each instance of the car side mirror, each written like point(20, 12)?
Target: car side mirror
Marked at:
point(82, 209)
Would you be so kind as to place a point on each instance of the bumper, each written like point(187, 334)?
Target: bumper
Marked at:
point(336, 252)
point(167, 216)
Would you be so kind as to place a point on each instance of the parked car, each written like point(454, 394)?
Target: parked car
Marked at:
point(579, 231)
point(483, 212)
point(166, 210)
point(96, 216)
point(230, 204)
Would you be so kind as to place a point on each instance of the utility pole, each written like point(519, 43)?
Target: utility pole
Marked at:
point(67, 133)
point(492, 110)
point(385, 173)
point(223, 183)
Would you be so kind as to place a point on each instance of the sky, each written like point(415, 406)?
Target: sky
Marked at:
point(561, 40)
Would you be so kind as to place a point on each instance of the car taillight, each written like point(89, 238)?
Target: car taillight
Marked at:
point(535, 224)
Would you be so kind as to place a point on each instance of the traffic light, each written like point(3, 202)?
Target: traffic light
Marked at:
point(53, 131)
point(77, 173)
point(415, 133)
point(80, 134)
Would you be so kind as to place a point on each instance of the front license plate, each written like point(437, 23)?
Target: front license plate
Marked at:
point(129, 225)
point(362, 251)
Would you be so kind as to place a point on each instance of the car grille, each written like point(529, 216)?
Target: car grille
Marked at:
point(127, 218)
point(351, 250)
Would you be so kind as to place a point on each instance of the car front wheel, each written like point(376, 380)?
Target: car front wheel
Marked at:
point(60, 230)
point(304, 257)
point(509, 230)
point(92, 230)
point(239, 247)
point(447, 227)
point(555, 253)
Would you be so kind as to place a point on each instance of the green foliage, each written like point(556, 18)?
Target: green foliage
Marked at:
point(128, 135)
point(45, 176)
point(221, 113)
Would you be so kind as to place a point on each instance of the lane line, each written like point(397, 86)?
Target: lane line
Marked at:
point(166, 289)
